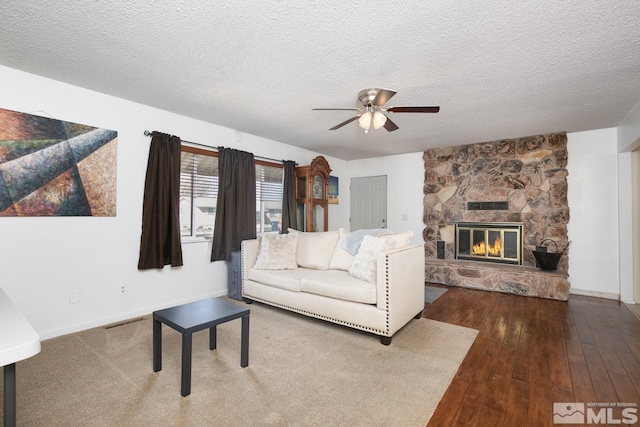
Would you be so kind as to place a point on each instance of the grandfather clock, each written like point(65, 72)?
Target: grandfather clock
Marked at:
point(312, 184)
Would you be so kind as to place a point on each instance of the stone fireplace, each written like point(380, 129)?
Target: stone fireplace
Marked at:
point(512, 190)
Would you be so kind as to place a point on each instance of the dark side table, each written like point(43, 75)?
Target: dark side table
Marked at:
point(193, 317)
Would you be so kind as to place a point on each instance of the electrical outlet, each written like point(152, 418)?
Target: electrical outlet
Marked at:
point(123, 289)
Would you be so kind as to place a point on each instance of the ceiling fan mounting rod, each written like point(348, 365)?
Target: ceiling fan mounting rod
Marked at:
point(366, 96)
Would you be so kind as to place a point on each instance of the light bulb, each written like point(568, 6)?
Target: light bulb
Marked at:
point(379, 120)
point(365, 120)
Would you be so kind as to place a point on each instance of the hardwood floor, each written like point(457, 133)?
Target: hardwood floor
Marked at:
point(532, 352)
point(635, 309)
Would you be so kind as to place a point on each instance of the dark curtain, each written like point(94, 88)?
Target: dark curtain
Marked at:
point(288, 197)
point(236, 208)
point(160, 239)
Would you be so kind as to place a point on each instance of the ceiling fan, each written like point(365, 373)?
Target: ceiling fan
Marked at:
point(371, 113)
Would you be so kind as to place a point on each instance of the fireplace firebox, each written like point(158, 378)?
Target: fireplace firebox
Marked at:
point(498, 242)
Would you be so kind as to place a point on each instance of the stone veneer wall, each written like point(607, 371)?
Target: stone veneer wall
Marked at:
point(530, 174)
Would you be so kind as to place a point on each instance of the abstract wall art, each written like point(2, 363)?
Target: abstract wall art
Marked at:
point(50, 167)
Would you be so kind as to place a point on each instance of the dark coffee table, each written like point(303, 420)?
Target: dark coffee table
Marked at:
point(193, 317)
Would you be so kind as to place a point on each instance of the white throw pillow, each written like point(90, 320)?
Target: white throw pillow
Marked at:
point(353, 240)
point(277, 252)
point(401, 240)
point(364, 265)
point(315, 248)
point(341, 258)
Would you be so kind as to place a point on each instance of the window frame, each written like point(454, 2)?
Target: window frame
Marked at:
point(260, 223)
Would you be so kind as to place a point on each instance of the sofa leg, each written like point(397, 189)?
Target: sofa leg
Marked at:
point(385, 340)
point(247, 301)
point(417, 316)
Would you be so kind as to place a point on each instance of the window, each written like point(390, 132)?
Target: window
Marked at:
point(269, 189)
point(199, 194)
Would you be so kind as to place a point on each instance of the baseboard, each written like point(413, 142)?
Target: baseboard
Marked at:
point(119, 318)
point(597, 294)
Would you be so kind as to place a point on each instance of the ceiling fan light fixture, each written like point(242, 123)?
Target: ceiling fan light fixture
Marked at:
point(371, 111)
point(365, 120)
point(379, 120)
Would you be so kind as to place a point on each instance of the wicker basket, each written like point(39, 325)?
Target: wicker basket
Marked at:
point(548, 260)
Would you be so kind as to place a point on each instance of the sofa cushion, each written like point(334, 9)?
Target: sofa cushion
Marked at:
point(315, 249)
point(364, 265)
point(339, 284)
point(283, 279)
point(341, 259)
point(277, 252)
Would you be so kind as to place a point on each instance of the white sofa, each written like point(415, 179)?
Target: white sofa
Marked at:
point(318, 283)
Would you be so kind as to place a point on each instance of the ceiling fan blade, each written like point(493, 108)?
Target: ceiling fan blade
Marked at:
point(346, 122)
point(335, 109)
point(382, 97)
point(390, 126)
point(413, 109)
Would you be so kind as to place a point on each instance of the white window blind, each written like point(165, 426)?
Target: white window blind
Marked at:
point(268, 183)
point(199, 194)
point(269, 188)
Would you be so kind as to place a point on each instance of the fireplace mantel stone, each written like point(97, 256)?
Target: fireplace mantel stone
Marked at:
point(530, 174)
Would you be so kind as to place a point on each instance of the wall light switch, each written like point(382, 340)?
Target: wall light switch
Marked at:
point(405, 217)
point(74, 297)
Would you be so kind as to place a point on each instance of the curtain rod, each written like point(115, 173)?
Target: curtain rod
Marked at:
point(147, 133)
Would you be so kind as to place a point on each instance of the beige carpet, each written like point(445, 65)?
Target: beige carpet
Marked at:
point(302, 372)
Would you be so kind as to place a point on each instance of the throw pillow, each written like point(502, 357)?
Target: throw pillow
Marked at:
point(315, 248)
point(353, 240)
point(277, 252)
point(365, 262)
point(341, 259)
point(401, 240)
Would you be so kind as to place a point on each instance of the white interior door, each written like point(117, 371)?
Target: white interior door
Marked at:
point(368, 202)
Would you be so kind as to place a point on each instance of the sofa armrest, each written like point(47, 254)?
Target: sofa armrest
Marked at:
point(249, 255)
point(400, 284)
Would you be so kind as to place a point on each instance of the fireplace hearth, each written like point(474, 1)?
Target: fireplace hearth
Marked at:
point(495, 242)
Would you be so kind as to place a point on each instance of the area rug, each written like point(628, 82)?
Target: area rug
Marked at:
point(432, 293)
point(302, 372)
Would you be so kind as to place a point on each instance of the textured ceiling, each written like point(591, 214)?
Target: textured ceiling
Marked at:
point(498, 69)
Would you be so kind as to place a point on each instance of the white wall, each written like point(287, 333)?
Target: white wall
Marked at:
point(405, 180)
point(43, 259)
point(593, 204)
point(628, 140)
point(632, 288)
point(629, 130)
point(625, 225)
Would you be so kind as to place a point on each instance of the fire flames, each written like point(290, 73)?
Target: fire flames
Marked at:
point(493, 250)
